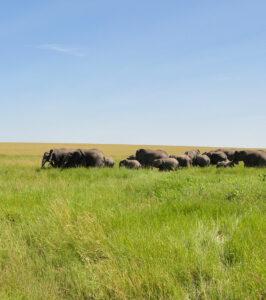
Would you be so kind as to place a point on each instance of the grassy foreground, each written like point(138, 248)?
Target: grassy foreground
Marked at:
point(123, 234)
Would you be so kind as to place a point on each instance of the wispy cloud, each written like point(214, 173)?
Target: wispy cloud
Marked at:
point(61, 49)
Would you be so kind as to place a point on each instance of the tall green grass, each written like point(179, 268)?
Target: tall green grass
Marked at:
point(124, 234)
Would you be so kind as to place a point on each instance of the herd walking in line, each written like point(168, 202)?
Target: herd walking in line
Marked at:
point(160, 159)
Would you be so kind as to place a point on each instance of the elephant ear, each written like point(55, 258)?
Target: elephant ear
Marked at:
point(46, 155)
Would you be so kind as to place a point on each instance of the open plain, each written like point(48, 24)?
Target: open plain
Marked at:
point(129, 234)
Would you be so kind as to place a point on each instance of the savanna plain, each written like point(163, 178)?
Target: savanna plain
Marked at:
point(129, 234)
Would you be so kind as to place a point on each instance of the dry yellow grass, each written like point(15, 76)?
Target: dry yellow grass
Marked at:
point(115, 150)
point(30, 154)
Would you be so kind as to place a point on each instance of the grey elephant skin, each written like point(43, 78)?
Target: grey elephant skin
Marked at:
point(93, 158)
point(192, 153)
point(166, 164)
point(109, 162)
point(201, 160)
point(72, 158)
point(216, 156)
point(184, 160)
point(56, 157)
point(251, 158)
point(147, 156)
point(130, 164)
point(230, 153)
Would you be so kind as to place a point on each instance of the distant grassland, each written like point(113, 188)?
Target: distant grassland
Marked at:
point(124, 234)
point(117, 151)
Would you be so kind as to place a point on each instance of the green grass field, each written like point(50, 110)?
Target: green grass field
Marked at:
point(125, 234)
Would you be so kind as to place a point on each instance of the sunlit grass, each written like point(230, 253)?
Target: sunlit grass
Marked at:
point(116, 233)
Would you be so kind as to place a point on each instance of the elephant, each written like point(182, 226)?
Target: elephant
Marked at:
point(55, 157)
point(201, 160)
point(93, 158)
point(72, 158)
point(225, 164)
point(216, 156)
point(130, 164)
point(192, 153)
point(147, 156)
point(166, 164)
point(230, 153)
point(109, 162)
point(251, 158)
point(184, 160)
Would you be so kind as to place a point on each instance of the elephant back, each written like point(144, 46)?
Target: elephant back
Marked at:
point(201, 160)
point(130, 164)
point(93, 157)
point(216, 156)
point(166, 164)
point(147, 156)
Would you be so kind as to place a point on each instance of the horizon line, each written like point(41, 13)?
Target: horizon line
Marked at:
point(128, 144)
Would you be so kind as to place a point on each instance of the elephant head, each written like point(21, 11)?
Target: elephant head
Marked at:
point(192, 153)
point(46, 157)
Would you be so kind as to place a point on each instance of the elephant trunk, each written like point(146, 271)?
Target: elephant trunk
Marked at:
point(45, 159)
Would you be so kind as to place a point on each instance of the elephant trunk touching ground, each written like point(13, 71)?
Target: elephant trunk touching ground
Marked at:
point(46, 158)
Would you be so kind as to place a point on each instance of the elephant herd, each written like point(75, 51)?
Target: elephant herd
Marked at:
point(73, 158)
point(160, 159)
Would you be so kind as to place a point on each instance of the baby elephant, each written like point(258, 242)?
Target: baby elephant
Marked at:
point(166, 164)
point(130, 164)
point(225, 164)
point(109, 162)
point(184, 160)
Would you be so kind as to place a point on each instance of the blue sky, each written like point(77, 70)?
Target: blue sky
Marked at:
point(138, 72)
